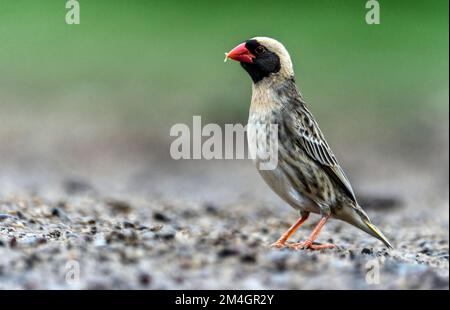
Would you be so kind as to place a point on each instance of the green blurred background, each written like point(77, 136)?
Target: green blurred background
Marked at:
point(145, 65)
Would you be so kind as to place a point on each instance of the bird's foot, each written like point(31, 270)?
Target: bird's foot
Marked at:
point(308, 244)
point(278, 245)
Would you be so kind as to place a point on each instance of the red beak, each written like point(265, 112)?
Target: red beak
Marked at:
point(240, 53)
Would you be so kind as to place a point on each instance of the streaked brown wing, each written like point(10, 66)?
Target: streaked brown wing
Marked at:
point(308, 136)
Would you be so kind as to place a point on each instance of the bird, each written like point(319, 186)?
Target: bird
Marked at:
point(307, 174)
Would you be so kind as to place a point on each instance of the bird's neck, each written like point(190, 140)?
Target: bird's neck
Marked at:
point(273, 92)
point(264, 97)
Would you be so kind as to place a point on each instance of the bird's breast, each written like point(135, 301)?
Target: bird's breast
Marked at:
point(262, 135)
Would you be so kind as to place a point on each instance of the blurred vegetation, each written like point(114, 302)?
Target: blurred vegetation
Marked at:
point(152, 63)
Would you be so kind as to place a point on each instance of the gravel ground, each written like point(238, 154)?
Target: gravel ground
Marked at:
point(87, 214)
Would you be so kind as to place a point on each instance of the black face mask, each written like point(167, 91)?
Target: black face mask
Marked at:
point(263, 64)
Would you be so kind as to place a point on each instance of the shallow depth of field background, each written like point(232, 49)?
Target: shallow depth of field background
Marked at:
point(144, 65)
point(85, 114)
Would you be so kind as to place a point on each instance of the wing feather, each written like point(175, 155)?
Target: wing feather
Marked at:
point(307, 134)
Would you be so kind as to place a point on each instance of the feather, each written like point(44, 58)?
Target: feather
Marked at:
point(308, 136)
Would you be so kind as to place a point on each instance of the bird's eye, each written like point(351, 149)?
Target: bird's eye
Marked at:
point(260, 50)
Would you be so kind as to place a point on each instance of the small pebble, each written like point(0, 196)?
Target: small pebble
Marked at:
point(128, 224)
point(145, 279)
point(226, 252)
point(367, 251)
point(118, 206)
point(148, 235)
point(21, 216)
point(57, 212)
point(166, 233)
point(55, 234)
point(248, 258)
point(5, 216)
point(211, 209)
point(158, 216)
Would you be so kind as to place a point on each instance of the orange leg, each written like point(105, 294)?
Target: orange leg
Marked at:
point(281, 243)
point(308, 244)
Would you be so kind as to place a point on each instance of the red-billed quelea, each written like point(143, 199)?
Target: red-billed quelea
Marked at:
point(307, 176)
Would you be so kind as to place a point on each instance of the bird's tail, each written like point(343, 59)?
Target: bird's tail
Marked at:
point(357, 217)
point(374, 231)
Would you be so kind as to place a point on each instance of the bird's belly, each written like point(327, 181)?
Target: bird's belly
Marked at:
point(261, 138)
point(280, 184)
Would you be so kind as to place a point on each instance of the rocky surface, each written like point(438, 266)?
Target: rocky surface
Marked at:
point(121, 218)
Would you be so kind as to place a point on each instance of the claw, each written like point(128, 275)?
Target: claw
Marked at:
point(308, 245)
point(278, 245)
